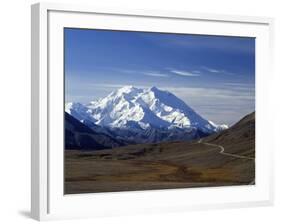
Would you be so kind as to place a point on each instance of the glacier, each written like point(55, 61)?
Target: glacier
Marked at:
point(141, 115)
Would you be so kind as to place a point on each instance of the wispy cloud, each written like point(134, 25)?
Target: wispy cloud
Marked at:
point(239, 84)
point(218, 104)
point(203, 94)
point(216, 71)
point(143, 72)
point(212, 70)
point(111, 87)
point(155, 74)
point(127, 71)
point(185, 73)
point(161, 74)
point(106, 86)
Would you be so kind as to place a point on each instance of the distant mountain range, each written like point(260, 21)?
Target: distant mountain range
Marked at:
point(133, 115)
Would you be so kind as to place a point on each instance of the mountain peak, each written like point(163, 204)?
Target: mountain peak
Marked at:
point(126, 89)
point(133, 89)
point(73, 105)
point(153, 88)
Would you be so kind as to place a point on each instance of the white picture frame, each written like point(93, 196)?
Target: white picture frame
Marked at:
point(48, 201)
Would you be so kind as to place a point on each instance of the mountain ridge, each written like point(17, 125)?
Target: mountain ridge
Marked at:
point(80, 136)
point(131, 111)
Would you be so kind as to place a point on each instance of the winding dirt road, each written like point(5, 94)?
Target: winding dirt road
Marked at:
point(222, 151)
point(225, 153)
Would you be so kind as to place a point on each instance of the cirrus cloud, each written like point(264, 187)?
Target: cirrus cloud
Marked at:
point(184, 73)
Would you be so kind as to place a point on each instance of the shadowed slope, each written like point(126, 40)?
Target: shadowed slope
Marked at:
point(80, 137)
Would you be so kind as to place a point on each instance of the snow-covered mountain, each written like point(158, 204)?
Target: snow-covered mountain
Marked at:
point(143, 115)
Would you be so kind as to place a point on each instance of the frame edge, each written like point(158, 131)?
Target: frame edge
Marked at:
point(39, 119)
point(176, 14)
point(39, 152)
point(35, 182)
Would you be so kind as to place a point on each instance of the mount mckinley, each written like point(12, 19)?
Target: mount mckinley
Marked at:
point(134, 115)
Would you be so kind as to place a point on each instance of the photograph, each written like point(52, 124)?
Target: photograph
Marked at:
point(153, 111)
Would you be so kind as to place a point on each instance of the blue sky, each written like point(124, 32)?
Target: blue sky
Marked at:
point(215, 75)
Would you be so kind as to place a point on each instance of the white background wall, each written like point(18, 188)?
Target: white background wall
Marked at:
point(15, 111)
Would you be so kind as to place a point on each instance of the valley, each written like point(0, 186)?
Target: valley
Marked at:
point(225, 158)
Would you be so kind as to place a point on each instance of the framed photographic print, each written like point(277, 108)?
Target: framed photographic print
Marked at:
point(148, 111)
